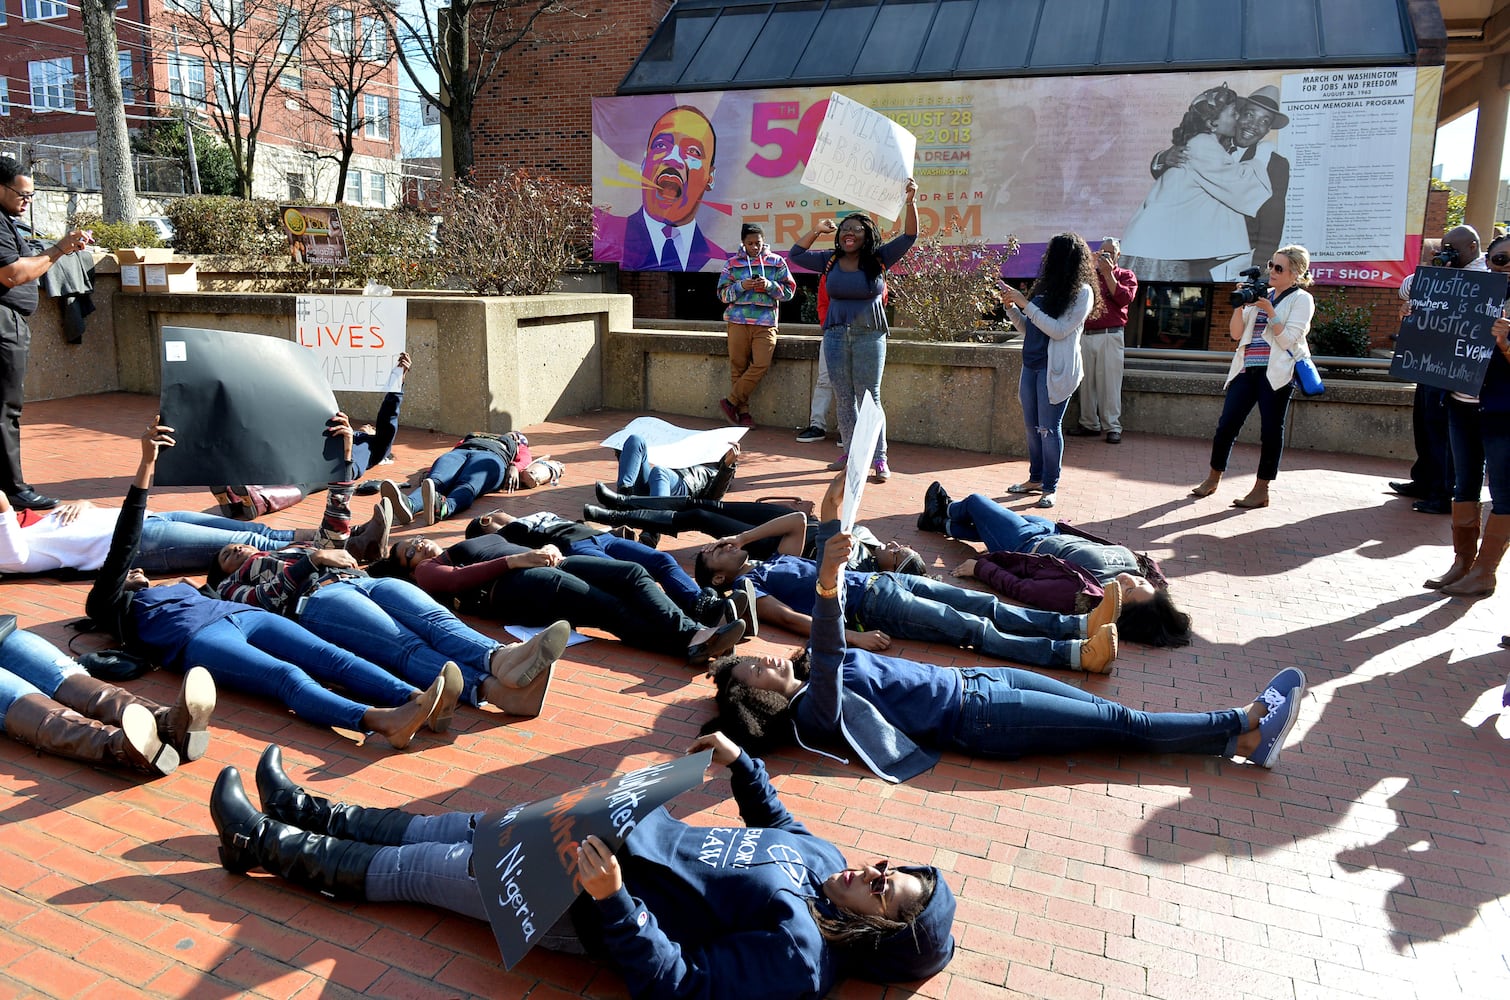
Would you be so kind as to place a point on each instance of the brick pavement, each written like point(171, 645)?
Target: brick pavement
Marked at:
point(1373, 862)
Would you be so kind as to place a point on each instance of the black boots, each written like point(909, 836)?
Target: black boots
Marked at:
point(249, 839)
point(40, 722)
point(289, 803)
point(935, 515)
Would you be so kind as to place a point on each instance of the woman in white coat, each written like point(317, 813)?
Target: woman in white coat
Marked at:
point(1271, 335)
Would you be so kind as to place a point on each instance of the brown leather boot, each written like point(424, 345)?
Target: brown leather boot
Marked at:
point(1479, 580)
point(184, 726)
point(40, 722)
point(1465, 543)
point(369, 543)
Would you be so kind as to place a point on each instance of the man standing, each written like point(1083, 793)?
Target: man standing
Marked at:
point(1431, 475)
point(19, 271)
point(1258, 113)
point(1102, 347)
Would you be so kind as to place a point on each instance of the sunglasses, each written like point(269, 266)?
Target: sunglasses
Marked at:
point(878, 884)
point(1500, 259)
point(1276, 267)
point(407, 553)
point(23, 195)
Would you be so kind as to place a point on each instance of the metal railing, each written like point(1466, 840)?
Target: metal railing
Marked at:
point(1225, 357)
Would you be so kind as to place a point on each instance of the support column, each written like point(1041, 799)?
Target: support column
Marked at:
point(1488, 149)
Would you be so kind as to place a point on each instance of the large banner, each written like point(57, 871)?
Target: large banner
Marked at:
point(357, 338)
point(1200, 174)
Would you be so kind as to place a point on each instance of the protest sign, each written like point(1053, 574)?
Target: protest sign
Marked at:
point(245, 409)
point(525, 858)
point(357, 338)
point(1446, 341)
point(676, 447)
point(862, 157)
point(314, 234)
point(868, 427)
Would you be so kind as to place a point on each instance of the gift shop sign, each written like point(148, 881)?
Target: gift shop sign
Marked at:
point(357, 338)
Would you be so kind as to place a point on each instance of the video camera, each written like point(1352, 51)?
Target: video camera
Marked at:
point(1448, 256)
point(1254, 287)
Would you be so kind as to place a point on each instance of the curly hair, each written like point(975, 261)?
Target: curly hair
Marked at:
point(1201, 117)
point(1066, 265)
point(755, 719)
point(859, 931)
point(869, 253)
point(1154, 623)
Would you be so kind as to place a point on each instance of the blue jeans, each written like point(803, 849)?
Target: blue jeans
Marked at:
point(978, 518)
point(263, 654)
point(461, 476)
point(186, 541)
point(1012, 713)
point(398, 626)
point(1249, 389)
point(915, 607)
point(433, 866)
point(856, 361)
point(1480, 444)
point(1042, 420)
point(681, 588)
point(29, 664)
point(639, 477)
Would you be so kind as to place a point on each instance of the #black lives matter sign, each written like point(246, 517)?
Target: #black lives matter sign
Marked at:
point(525, 858)
point(1446, 341)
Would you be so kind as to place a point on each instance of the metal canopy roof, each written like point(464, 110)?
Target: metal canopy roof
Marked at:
point(738, 44)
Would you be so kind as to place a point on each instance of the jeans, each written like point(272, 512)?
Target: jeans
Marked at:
point(856, 361)
point(1251, 388)
point(1043, 420)
point(263, 654)
point(398, 626)
point(461, 476)
point(823, 394)
point(1480, 444)
point(1011, 713)
point(662, 566)
point(978, 518)
point(916, 607)
point(186, 541)
point(29, 664)
point(638, 477)
point(433, 866)
point(618, 597)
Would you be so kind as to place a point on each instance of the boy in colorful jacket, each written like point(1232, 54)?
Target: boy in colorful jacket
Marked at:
point(753, 283)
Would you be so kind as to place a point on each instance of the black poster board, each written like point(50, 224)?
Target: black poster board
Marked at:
point(1446, 341)
point(525, 858)
point(245, 409)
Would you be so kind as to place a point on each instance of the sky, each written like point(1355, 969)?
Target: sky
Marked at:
point(1455, 148)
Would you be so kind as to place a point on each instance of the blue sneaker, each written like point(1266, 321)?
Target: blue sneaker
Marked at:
point(1282, 695)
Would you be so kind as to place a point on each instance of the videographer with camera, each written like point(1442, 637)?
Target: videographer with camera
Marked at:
point(1270, 322)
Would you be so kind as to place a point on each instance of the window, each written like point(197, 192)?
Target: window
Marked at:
point(295, 186)
point(231, 13)
point(290, 75)
point(128, 84)
point(1172, 317)
point(377, 189)
point(354, 186)
point(241, 99)
point(185, 81)
point(183, 6)
point(374, 117)
point(43, 10)
point(340, 111)
point(4, 96)
point(52, 84)
point(374, 39)
point(342, 31)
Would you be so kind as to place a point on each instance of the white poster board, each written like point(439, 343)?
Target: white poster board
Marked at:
point(861, 156)
point(357, 338)
point(674, 447)
point(868, 428)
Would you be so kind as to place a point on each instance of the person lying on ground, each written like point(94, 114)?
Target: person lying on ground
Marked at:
point(491, 576)
point(638, 476)
point(673, 919)
point(49, 701)
point(1015, 565)
point(889, 604)
point(480, 463)
point(246, 649)
point(898, 715)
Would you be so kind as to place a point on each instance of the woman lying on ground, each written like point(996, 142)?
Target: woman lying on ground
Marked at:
point(489, 575)
point(480, 463)
point(49, 702)
point(899, 715)
point(252, 650)
point(672, 918)
point(1026, 559)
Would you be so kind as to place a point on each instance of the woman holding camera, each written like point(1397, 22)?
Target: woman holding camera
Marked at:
point(1478, 428)
point(1271, 334)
